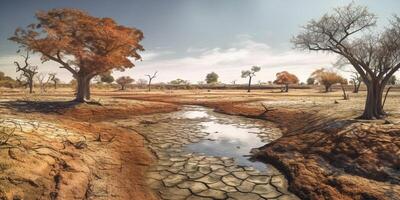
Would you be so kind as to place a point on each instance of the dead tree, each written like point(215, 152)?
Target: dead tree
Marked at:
point(151, 77)
point(21, 81)
point(28, 71)
point(54, 79)
point(41, 78)
point(355, 78)
point(374, 56)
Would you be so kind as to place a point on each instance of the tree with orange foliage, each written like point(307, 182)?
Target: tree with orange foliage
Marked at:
point(327, 78)
point(84, 45)
point(286, 78)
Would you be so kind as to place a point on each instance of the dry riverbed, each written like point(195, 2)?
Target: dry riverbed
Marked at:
point(126, 149)
point(199, 160)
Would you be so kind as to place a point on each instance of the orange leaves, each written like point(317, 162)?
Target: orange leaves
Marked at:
point(325, 77)
point(94, 45)
point(285, 77)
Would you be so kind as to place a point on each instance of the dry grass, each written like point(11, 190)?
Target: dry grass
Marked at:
point(299, 111)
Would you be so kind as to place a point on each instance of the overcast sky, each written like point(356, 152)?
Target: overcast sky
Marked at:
point(189, 38)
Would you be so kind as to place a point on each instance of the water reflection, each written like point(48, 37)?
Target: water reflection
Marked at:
point(195, 114)
point(230, 140)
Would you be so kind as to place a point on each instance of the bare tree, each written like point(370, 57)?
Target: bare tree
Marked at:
point(376, 57)
point(54, 79)
point(28, 71)
point(41, 78)
point(249, 74)
point(151, 77)
point(141, 82)
point(356, 81)
point(355, 78)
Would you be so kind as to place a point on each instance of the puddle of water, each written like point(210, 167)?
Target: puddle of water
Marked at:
point(229, 140)
point(195, 114)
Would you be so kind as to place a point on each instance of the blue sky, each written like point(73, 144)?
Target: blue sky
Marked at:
point(187, 39)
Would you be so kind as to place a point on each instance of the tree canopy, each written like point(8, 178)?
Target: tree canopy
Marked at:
point(250, 73)
point(286, 78)
point(347, 32)
point(123, 81)
point(82, 44)
point(106, 78)
point(179, 82)
point(327, 78)
point(310, 81)
point(212, 78)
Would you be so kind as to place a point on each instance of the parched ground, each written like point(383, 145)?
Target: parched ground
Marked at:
point(327, 155)
point(72, 151)
point(324, 153)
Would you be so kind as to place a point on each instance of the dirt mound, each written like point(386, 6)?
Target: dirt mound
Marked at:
point(89, 112)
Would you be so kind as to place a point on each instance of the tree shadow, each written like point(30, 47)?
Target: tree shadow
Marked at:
point(39, 106)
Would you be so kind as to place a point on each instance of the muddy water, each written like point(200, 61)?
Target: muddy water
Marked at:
point(204, 155)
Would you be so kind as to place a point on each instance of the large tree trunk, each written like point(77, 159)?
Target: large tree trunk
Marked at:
point(327, 88)
point(373, 106)
point(87, 93)
point(30, 86)
point(248, 88)
point(83, 88)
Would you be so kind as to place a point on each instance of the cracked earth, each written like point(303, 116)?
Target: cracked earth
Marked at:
point(181, 173)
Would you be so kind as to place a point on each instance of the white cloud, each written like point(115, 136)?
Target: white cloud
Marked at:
point(195, 49)
point(151, 55)
point(228, 63)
